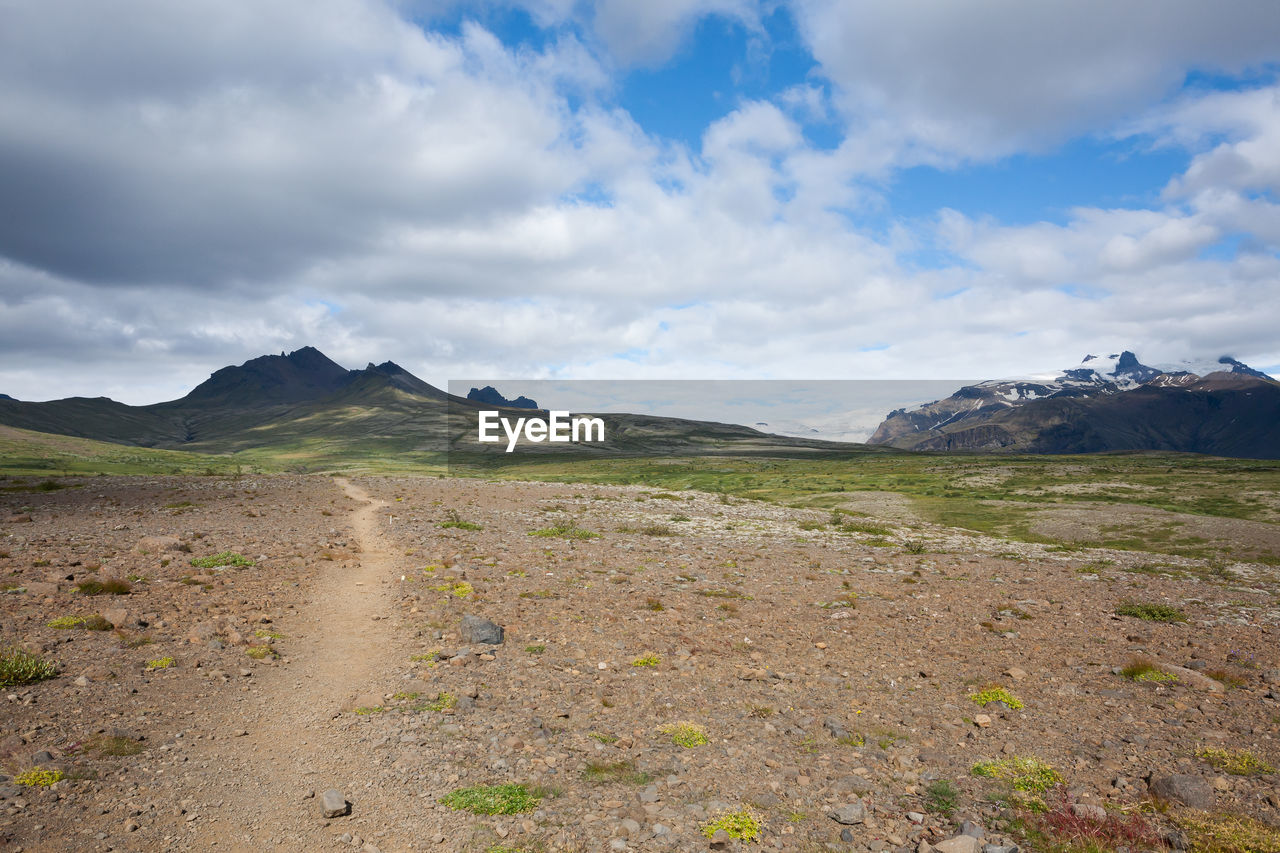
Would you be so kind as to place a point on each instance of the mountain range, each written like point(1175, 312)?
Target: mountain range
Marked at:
point(1106, 403)
point(304, 406)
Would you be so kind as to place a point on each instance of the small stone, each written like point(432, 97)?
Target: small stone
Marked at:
point(1016, 673)
point(82, 681)
point(132, 826)
point(835, 727)
point(959, 844)
point(915, 817)
point(478, 630)
point(850, 814)
point(971, 829)
point(1089, 811)
point(982, 721)
point(334, 804)
point(846, 835)
point(1189, 790)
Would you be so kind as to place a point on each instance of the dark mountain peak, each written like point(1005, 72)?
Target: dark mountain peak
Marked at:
point(1128, 366)
point(303, 374)
point(6, 397)
point(387, 368)
point(376, 379)
point(1241, 367)
point(491, 396)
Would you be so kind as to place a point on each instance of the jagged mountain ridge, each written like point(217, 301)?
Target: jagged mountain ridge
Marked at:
point(493, 397)
point(1105, 403)
point(302, 405)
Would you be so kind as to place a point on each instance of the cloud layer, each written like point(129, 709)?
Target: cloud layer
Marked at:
point(188, 185)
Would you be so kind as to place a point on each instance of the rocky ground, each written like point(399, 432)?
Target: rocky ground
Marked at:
point(829, 669)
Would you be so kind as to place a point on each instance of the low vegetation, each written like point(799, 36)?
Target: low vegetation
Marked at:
point(996, 694)
point(564, 530)
point(38, 778)
point(941, 797)
point(224, 558)
point(685, 734)
point(111, 586)
point(623, 771)
point(742, 825)
point(19, 666)
point(1236, 762)
point(1221, 833)
point(1151, 612)
point(1028, 775)
point(492, 799)
point(1145, 669)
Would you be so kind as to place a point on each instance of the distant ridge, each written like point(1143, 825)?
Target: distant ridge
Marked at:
point(301, 375)
point(1114, 402)
point(490, 396)
point(305, 408)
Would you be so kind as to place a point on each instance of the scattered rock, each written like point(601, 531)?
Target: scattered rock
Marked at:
point(478, 630)
point(850, 813)
point(1088, 811)
point(959, 844)
point(334, 804)
point(1191, 791)
point(117, 616)
point(157, 544)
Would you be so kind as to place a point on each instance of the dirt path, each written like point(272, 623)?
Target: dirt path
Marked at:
point(286, 736)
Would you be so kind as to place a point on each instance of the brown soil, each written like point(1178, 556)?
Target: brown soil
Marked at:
point(772, 638)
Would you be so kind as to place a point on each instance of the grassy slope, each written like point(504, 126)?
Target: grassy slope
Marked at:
point(26, 453)
point(1001, 495)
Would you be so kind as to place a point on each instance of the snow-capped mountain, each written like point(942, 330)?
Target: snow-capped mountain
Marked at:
point(979, 416)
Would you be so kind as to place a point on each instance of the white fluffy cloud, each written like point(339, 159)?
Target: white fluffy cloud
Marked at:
point(938, 81)
point(190, 185)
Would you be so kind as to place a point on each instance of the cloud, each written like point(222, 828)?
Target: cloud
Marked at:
point(311, 154)
point(190, 185)
point(941, 82)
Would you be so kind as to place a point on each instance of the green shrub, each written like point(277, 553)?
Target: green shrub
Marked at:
point(455, 522)
point(685, 734)
point(564, 530)
point(104, 745)
point(1236, 762)
point(615, 771)
point(741, 824)
point(37, 778)
point(941, 797)
point(1145, 669)
point(647, 660)
point(996, 694)
point(1151, 612)
point(492, 799)
point(1030, 775)
point(19, 666)
point(112, 586)
point(225, 558)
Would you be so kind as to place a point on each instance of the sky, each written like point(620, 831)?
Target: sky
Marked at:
point(694, 189)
